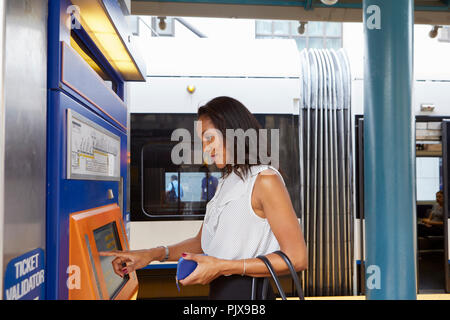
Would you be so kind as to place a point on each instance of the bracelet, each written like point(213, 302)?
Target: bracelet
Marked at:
point(243, 273)
point(166, 257)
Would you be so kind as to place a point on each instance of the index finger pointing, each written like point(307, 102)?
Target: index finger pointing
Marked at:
point(112, 254)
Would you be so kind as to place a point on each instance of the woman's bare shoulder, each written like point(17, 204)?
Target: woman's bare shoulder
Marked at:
point(268, 183)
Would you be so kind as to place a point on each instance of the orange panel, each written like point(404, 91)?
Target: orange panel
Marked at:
point(100, 227)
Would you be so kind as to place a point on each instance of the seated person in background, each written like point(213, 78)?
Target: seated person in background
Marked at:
point(434, 224)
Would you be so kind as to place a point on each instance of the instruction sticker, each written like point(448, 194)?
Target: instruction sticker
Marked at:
point(93, 152)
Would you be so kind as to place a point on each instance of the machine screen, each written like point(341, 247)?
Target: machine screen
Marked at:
point(107, 239)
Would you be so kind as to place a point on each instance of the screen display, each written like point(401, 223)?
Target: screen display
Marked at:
point(107, 239)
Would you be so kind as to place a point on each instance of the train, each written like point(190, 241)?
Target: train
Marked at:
point(270, 77)
point(88, 124)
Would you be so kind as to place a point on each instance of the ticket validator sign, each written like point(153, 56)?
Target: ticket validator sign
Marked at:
point(25, 277)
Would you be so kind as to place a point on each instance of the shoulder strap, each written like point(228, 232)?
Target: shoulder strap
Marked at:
point(293, 273)
point(274, 277)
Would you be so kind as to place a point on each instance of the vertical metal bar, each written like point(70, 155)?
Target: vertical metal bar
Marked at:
point(320, 189)
point(330, 207)
point(361, 197)
point(25, 155)
point(308, 146)
point(344, 162)
point(314, 108)
point(344, 173)
point(329, 178)
point(324, 133)
point(349, 153)
point(303, 157)
point(301, 134)
point(334, 178)
point(340, 186)
point(348, 176)
point(2, 134)
point(318, 204)
point(389, 130)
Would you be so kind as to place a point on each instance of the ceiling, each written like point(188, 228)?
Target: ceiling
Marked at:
point(433, 12)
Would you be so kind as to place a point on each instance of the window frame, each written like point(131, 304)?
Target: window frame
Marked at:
point(295, 35)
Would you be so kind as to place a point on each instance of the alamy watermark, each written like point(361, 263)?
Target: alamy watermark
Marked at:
point(242, 147)
point(74, 19)
point(373, 277)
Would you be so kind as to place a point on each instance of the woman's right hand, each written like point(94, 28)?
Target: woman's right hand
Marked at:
point(129, 261)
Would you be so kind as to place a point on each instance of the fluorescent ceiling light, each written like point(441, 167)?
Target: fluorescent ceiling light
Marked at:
point(98, 24)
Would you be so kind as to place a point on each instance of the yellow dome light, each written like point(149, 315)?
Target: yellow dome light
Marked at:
point(191, 89)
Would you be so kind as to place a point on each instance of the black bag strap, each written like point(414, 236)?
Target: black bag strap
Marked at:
point(274, 277)
point(293, 273)
point(254, 289)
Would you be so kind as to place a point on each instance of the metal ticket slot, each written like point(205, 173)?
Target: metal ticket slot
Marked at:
point(91, 55)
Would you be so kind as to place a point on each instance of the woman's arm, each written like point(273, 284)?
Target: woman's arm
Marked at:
point(190, 245)
point(272, 201)
point(429, 220)
point(434, 223)
point(141, 258)
point(431, 214)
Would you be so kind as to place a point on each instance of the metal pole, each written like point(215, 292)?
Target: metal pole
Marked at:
point(2, 134)
point(346, 152)
point(319, 226)
point(307, 99)
point(349, 176)
point(313, 233)
point(389, 150)
point(342, 174)
point(326, 202)
point(337, 84)
point(330, 180)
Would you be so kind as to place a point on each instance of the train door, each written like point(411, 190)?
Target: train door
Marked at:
point(446, 185)
point(432, 182)
point(359, 214)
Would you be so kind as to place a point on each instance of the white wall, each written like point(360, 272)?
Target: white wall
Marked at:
point(262, 74)
point(430, 56)
point(218, 28)
point(431, 69)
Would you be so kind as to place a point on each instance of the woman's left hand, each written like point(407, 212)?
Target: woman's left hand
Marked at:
point(208, 269)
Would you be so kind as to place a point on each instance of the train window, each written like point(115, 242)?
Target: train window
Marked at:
point(173, 191)
point(161, 190)
point(190, 186)
point(316, 34)
point(429, 178)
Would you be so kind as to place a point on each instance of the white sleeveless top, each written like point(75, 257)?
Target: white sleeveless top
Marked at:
point(231, 229)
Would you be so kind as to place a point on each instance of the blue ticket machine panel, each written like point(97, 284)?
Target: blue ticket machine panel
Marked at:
point(86, 134)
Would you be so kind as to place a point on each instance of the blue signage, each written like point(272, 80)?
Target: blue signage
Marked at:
point(25, 277)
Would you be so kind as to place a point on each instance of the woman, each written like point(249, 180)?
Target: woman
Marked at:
point(251, 214)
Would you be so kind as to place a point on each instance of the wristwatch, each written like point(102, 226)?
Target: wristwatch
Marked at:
point(166, 248)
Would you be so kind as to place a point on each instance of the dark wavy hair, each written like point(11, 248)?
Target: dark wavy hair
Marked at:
point(228, 113)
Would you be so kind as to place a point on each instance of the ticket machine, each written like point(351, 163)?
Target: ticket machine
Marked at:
point(91, 56)
point(92, 231)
